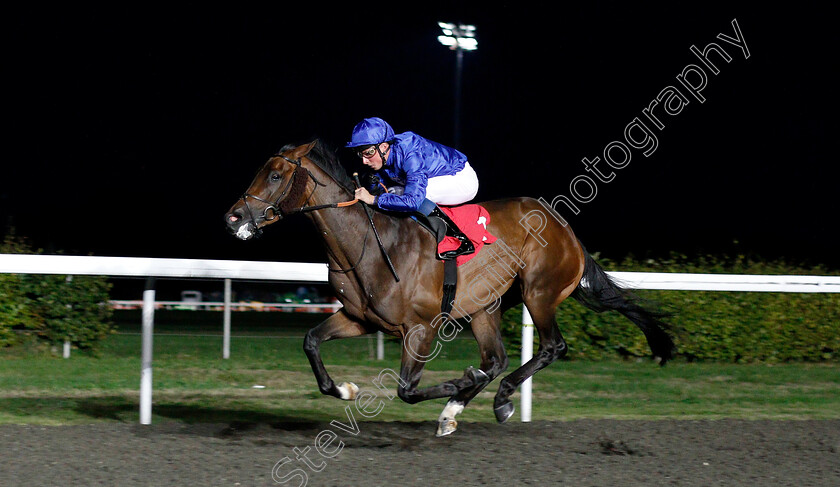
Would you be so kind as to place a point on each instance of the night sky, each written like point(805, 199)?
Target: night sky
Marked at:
point(131, 130)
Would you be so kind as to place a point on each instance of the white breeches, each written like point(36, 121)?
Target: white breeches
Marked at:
point(455, 189)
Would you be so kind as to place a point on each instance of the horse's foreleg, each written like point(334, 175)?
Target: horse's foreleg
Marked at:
point(338, 325)
point(485, 328)
point(417, 345)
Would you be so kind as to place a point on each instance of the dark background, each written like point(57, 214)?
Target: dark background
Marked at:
point(131, 130)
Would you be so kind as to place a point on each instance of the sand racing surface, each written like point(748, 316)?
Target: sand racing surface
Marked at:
point(576, 453)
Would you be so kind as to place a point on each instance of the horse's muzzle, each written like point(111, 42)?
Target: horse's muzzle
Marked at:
point(240, 227)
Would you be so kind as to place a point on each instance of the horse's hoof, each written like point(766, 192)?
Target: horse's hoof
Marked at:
point(504, 411)
point(347, 390)
point(446, 427)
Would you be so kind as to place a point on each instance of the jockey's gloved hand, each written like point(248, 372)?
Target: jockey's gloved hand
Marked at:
point(371, 182)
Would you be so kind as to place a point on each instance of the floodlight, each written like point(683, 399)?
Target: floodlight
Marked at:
point(458, 37)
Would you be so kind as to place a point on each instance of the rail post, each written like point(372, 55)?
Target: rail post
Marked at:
point(527, 353)
point(146, 358)
point(226, 324)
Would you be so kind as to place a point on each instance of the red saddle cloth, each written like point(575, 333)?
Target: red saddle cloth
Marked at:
point(472, 220)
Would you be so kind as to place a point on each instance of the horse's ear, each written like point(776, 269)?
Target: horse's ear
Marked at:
point(303, 150)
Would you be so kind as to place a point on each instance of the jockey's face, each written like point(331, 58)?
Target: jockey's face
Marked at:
point(371, 156)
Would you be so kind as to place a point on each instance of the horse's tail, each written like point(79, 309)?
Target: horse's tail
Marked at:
point(599, 292)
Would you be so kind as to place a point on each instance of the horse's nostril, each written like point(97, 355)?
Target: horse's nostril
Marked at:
point(232, 218)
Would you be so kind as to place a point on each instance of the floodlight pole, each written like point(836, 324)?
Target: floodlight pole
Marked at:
point(459, 65)
point(458, 38)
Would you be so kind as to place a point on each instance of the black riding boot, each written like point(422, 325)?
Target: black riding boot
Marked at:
point(452, 230)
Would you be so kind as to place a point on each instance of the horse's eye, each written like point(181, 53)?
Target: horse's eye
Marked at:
point(275, 177)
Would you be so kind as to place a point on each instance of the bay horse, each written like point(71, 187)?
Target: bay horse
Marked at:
point(537, 260)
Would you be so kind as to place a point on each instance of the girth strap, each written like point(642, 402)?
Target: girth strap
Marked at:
point(450, 282)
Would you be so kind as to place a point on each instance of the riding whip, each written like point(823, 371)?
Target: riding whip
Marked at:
point(376, 232)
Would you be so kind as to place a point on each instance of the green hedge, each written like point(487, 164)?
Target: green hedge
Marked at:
point(55, 308)
point(709, 326)
point(13, 311)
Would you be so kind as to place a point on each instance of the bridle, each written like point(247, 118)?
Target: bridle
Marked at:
point(294, 185)
point(277, 209)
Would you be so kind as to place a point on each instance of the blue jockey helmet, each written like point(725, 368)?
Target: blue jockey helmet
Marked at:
point(371, 131)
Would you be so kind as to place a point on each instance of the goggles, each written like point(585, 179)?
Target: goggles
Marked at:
point(366, 153)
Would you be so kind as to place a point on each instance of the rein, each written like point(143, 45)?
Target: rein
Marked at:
point(359, 261)
point(295, 187)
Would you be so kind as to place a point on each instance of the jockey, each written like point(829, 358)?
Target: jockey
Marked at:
point(431, 174)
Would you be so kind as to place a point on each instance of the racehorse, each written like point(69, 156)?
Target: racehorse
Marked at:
point(543, 263)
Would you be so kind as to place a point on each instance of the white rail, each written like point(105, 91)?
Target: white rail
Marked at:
point(728, 282)
point(149, 267)
point(235, 305)
point(312, 272)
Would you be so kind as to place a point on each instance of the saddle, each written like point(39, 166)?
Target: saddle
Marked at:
point(453, 246)
point(470, 221)
point(441, 225)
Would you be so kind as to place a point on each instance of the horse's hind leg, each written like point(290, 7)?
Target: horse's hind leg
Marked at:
point(552, 347)
point(485, 328)
point(548, 279)
point(338, 325)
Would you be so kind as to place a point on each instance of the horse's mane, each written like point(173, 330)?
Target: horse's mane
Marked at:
point(327, 160)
